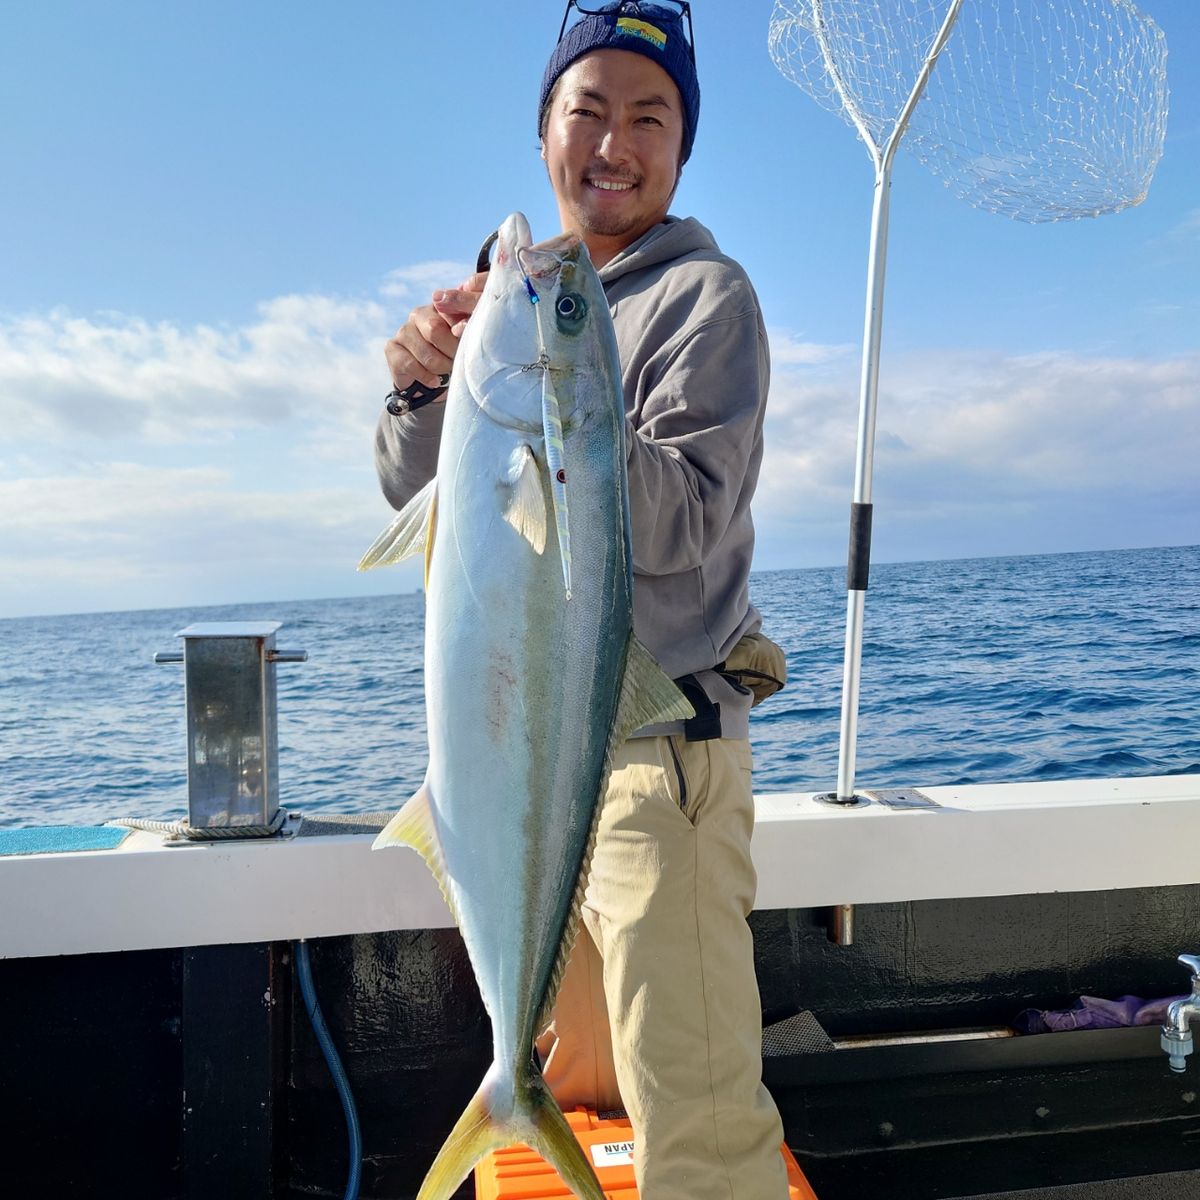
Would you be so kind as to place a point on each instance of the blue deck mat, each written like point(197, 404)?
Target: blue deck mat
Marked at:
point(61, 839)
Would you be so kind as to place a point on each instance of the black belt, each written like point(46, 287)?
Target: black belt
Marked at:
point(706, 724)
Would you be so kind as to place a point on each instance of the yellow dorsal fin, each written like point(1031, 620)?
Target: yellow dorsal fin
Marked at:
point(648, 695)
point(407, 534)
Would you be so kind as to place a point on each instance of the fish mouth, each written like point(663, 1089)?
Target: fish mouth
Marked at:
point(515, 235)
point(508, 374)
point(515, 247)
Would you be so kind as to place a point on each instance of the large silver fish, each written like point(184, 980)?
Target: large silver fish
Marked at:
point(533, 677)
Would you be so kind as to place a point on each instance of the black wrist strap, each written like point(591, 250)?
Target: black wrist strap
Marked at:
point(416, 395)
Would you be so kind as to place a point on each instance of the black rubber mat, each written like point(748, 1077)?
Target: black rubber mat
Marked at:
point(332, 824)
point(1175, 1185)
point(801, 1034)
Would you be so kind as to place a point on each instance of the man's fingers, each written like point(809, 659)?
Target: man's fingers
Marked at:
point(425, 345)
point(455, 303)
point(423, 349)
point(435, 329)
point(427, 368)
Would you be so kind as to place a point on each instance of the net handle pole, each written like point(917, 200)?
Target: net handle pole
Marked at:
point(859, 553)
point(859, 557)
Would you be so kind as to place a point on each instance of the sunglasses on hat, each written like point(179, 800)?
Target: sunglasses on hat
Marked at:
point(677, 9)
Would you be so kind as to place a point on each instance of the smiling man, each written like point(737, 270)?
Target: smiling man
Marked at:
point(612, 134)
point(659, 1012)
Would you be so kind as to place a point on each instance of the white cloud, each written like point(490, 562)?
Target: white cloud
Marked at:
point(1188, 228)
point(417, 282)
point(1050, 422)
point(148, 463)
point(968, 436)
point(154, 511)
point(129, 535)
point(788, 351)
point(308, 366)
point(66, 378)
point(156, 463)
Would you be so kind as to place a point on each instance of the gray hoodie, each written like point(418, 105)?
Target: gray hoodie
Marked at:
point(695, 368)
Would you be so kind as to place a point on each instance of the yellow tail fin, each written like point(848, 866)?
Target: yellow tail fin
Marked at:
point(503, 1113)
point(555, 1142)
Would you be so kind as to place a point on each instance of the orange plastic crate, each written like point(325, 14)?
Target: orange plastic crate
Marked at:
point(517, 1173)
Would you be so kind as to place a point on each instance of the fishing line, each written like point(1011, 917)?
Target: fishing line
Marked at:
point(551, 430)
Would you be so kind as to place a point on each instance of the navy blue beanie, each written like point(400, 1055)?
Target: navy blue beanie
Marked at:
point(647, 29)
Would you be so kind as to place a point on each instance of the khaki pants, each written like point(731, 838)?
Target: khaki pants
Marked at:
point(659, 1011)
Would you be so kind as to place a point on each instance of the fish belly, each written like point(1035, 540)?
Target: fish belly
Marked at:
point(521, 693)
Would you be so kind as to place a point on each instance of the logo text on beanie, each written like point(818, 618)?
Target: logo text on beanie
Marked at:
point(643, 30)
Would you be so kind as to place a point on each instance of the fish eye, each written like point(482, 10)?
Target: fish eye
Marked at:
point(571, 306)
point(570, 309)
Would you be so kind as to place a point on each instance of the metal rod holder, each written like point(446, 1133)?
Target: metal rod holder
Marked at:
point(232, 738)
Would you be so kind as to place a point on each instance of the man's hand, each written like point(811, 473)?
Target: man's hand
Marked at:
point(424, 346)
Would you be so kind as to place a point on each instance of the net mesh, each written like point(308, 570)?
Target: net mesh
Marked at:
point(1042, 110)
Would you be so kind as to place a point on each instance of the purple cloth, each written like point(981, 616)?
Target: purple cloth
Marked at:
point(1091, 1012)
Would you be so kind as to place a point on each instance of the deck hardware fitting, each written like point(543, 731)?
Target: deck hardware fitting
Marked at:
point(841, 924)
point(903, 798)
point(855, 801)
point(232, 737)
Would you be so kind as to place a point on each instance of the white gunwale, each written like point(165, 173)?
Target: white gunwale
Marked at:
point(984, 840)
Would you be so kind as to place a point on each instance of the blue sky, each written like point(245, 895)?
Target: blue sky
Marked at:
point(215, 213)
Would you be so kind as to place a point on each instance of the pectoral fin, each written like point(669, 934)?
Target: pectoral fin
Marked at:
point(409, 532)
point(526, 507)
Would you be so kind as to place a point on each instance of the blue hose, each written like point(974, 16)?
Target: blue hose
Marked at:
point(340, 1079)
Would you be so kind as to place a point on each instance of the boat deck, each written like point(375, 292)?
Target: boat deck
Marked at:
point(138, 976)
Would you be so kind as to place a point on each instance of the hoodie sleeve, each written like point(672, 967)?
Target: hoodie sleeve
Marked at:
point(697, 442)
point(406, 450)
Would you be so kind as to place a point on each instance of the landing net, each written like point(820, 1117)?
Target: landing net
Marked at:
point(1042, 110)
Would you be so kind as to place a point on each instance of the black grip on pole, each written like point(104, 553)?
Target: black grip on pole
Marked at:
point(858, 566)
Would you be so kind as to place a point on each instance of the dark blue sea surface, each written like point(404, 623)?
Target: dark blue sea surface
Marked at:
point(1060, 666)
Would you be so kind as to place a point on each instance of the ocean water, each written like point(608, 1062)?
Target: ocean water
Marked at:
point(983, 670)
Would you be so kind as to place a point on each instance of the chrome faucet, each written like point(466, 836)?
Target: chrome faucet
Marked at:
point(1176, 1037)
